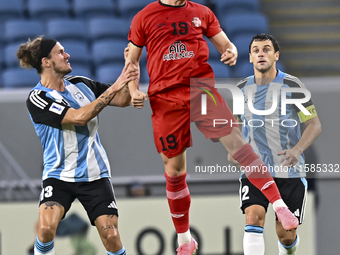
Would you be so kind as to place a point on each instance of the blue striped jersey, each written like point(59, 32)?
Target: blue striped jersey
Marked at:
point(70, 153)
point(272, 133)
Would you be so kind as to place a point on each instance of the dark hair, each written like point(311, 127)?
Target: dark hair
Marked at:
point(31, 52)
point(265, 37)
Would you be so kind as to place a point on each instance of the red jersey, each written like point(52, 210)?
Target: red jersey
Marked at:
point(173, 36)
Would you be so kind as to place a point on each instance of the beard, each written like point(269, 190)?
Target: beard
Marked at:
point(264, 69)
point(61, 71)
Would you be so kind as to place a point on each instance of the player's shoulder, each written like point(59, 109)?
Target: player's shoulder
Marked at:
point(241, 84)
point(292, 81)
point(74, 79)
point(152, 7)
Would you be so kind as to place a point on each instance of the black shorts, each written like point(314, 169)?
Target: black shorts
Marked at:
point(97, 197)
point(293, 192)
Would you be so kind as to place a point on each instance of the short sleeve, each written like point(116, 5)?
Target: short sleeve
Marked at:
point(45, 110)
point(136, 33)
point(213, 27)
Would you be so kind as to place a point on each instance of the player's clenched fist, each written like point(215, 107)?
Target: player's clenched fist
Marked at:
point(138, 98)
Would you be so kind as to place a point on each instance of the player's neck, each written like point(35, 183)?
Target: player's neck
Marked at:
point(266, 77)
point(52, 82)
point(173, 2)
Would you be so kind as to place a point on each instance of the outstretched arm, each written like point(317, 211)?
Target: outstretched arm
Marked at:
point(226, 48)
point(79, 117)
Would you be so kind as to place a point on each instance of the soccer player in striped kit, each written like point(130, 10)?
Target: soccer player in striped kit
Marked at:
point(277, 139)
point(172, 32)
point(64, 112)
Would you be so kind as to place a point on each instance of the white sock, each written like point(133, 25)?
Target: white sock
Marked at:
point(289, 250)
point(43, 248)
point(184, 238)
point(278, 203)
point(253, 241)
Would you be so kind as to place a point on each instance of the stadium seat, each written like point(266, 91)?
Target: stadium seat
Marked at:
point(244, 69)
point(129, 8)
point(10, 53)
point(242, 44)
point(18, 31)
point(109, 51)
point(108, 73)
point(19, 77)
point(11, 9)
point(86, 9)
point(213, 52)
point(220, 69)
point(80, 70)
point(79, 52)
point(47, 9)
point(250, 23)
point(65, 30)
point(235, 7)
point(144, 76)
point(108, 28)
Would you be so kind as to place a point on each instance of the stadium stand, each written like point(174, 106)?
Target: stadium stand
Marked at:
point(102, 28)
point(65, 30)
point(86, 9)
point(18, 31)
point(42, 9)
point(19, 77)
point(108, 51)
point(12, 9)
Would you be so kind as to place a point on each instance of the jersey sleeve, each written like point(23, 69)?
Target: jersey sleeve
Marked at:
point(96, 87)
point(45, 110)
point(137, 34)
point(294, 82)
point(213, 27)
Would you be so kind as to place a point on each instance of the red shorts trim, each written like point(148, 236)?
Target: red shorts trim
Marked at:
point(174, 110)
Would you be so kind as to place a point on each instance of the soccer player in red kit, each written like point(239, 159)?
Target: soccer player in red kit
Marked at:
point(172, 31)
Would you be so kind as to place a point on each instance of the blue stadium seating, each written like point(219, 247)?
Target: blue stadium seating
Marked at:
point(224, 7)
point(129, 8)
point(244, 23)
point(18, 31)
point(213, 52)
point(242, 44)
point(144, 75)
point(109, 51)
point(80, 70)
point(244, 69)
point(10, 53)
point(86, 9)
point(11, 9)
point(19, 77)
point(108, 73)
point(47, 9)
point(220, 69)
point(65, 30)
point(108, 28)
point(79, 53)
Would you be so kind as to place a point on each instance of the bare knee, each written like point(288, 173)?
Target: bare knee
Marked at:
point(175, 166)
point(111, 240)
point(255, 215)
point(46, 233)
point(233, 142)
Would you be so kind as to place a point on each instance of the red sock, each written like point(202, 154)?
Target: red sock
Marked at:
point(179, 200)
point(257, 172)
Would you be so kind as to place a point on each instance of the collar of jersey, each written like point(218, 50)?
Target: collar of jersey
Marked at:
point(171, 6)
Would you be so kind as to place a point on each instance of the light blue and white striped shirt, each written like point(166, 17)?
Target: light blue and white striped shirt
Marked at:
point(270, 134)
point(71, 153)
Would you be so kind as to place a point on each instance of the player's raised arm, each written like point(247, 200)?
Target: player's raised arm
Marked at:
point(226, 48)
point(133, 58)
point(81, 116)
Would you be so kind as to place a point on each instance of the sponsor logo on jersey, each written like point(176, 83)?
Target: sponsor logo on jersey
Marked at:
point(196, 21)
point(178, 50)
point(57, 108)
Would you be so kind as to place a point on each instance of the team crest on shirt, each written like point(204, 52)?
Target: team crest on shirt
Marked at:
point(78, 96)
point(178, 50)
point(196, 22)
